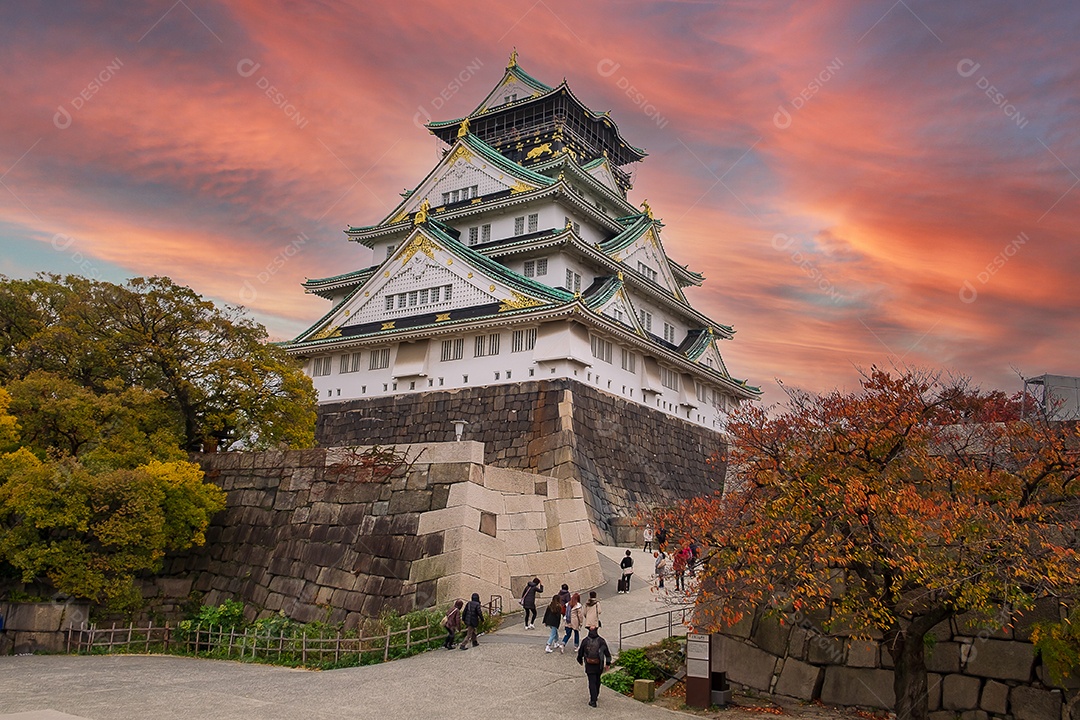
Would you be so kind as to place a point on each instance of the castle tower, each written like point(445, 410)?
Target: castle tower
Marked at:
point(518, 289)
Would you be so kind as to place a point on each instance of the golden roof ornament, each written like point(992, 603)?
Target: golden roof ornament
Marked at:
point(512, 63)
point(648, 210)
point(464, 129)
point(421, 214)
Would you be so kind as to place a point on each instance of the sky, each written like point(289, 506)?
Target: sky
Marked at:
point(881, 182)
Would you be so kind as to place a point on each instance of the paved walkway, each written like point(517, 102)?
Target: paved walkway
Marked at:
point(508, 676)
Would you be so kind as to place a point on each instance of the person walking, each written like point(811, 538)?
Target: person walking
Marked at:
point(472, 616)
point(648, 537)
point(592, 611)
point(627, 566)
point(661, 538)
point(528, 601)
point(552, 618)
point(679, 565)
point(596, 658)
point(452, 623)
point(574, 619)
point(661, 568)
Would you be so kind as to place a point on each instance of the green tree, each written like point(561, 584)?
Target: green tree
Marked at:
point(893, 510)
point(222, 382)
point(90, 533)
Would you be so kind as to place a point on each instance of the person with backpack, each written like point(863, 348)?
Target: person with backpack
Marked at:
point(564, 594)
point(452, 623)
point(627, 566)
point(552, 618)
point(592, 654)
point(472, 616)
point(574, 618)
point(528, 601)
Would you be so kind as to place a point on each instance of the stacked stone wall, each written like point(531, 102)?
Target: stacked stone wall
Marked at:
point(315, 536)
point(625, 455)
point(973, 673)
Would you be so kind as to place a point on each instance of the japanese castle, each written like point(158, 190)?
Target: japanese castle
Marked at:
point(519, 258)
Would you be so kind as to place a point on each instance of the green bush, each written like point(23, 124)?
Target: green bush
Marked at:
point(618, 681)
point(637, 665)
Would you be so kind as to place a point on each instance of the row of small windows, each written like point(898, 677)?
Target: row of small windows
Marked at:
point(454, 196)
point(519, 223)
point(646, 271)
point(453, 349)
point(601, 350)
point(419, 298)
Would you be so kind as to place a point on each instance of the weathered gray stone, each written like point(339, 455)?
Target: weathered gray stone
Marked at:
point(1026, 703)
point(943, 657)
point(825, 650)
point(1001, 660)
point(960, 692)
point(995, 697)
point(771, 635)
point(799, 680)
point(1045, 610)
point(744, 664)
point(862, 653)
point(858, 686)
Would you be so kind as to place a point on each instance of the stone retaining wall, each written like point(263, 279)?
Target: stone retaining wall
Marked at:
point(973, 674)
point(625, 455)
point(312, 535)
point(39, 627)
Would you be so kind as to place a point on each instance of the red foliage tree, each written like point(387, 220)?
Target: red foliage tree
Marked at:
point(889, 510)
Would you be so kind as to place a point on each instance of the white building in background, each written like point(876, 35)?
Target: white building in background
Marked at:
point(519, 258)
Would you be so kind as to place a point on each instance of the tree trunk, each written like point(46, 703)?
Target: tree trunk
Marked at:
point(909, 676)
point(908, 649)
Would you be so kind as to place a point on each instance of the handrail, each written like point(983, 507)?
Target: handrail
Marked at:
point(669, 615)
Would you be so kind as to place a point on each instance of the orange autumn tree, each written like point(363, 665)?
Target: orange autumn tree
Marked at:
point(889, 510)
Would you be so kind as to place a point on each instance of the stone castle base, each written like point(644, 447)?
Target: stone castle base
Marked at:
point(625, 455)
point(312, 535)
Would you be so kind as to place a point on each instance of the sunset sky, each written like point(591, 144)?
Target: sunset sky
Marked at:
point(860, 182)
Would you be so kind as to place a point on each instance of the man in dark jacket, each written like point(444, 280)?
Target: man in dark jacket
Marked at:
point(472, 616)
point(592, 654)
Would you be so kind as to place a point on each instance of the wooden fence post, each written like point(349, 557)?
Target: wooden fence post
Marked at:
point(408, 637)
point(386, 647)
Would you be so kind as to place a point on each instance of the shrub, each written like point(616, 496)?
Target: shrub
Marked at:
point(637, 665)
point(618, 681)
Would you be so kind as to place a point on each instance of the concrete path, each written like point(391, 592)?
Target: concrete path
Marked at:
point(507, 676)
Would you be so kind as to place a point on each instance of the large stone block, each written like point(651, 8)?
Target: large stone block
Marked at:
point(1027, 703)
point(943, 657)
point(1001, 660)
point(995, 697)
point(744, 664)
point(858, 686)
point(771, 635)
point(799, 680)
point(960, 692)
point(862, 653)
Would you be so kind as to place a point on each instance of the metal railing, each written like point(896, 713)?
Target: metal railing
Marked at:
point(670, 625)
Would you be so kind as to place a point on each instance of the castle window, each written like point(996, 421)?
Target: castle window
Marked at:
point(646, 271)
point(573, 281)
point(380, 359)
point(534, 222)
point(541, 267)
point(389, 251)
point(474, 234)
point(350, 362)
point(702, 393)
point(519, 225)
point(452, 350)
point(485, 233)
point(669, 378)
point(669, 333)
point(522, 340)
point(629, 361)
point(601, 349)
point(487, 345)
point(646, 320)
point(389, 302)
point(321, 366)
point(530, 268)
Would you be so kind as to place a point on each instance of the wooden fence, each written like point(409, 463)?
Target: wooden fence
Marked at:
point(307, 647)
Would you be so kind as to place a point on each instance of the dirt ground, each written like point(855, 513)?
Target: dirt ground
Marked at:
point(745, 707)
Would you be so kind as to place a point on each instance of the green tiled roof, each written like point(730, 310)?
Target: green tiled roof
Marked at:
point(639, 226)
